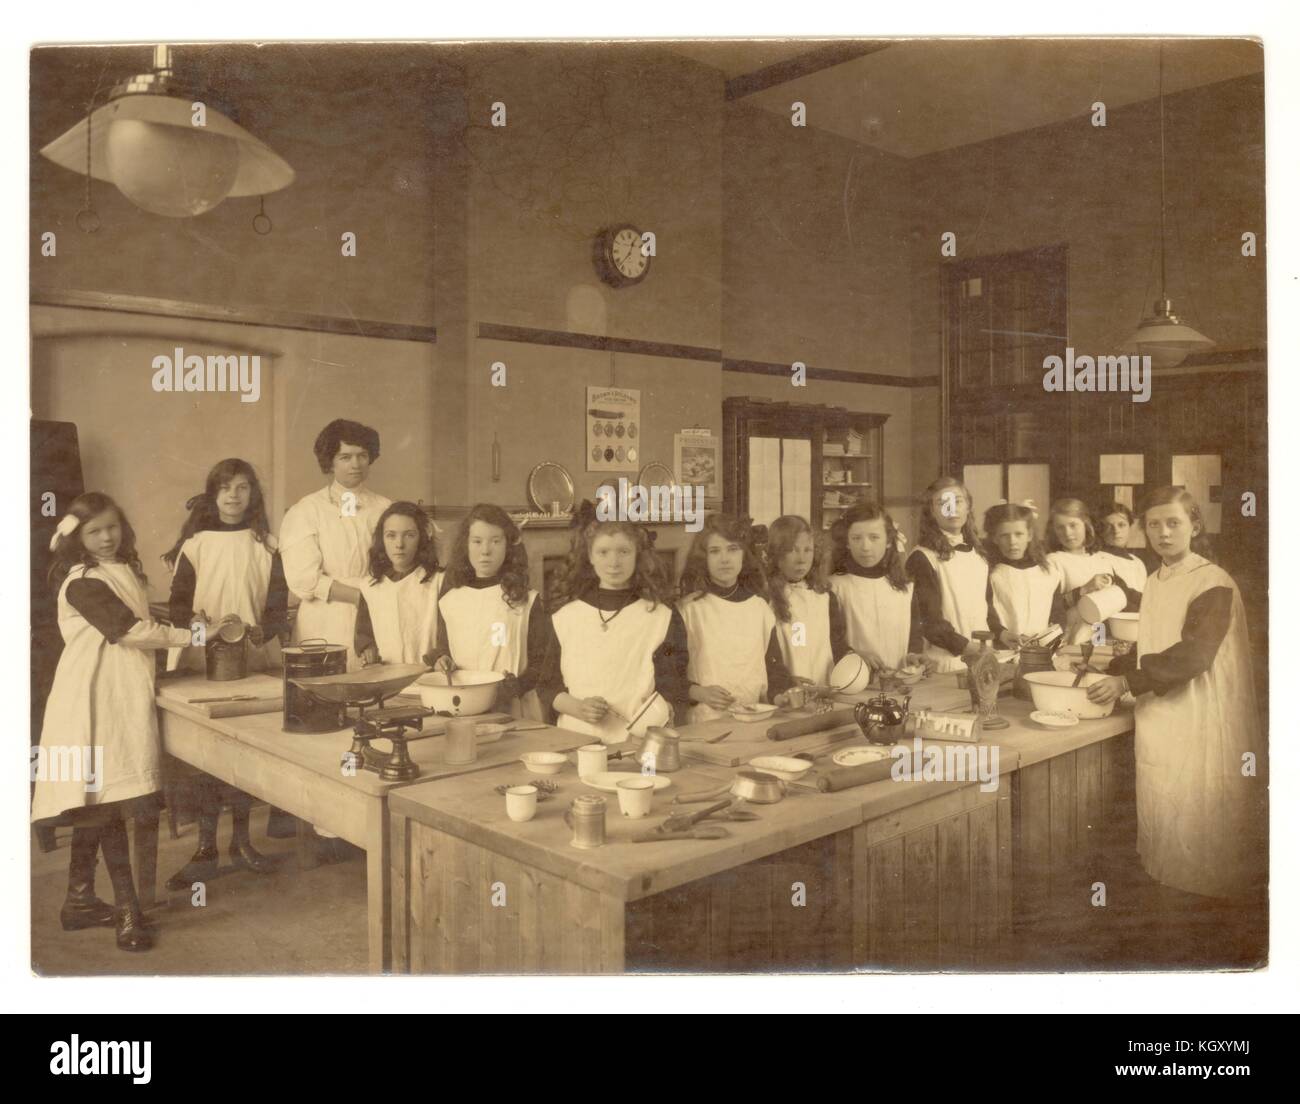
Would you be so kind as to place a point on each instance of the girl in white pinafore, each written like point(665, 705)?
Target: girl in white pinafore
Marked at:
point(950, 576)
point(1025, 587)
point(489, 619)
point(1201, 809)
point(397, 621)
point(874, 592)
point(616, 664)
point(1085, 569)
point(99, 749)
point(735, 653)
point(809, 620)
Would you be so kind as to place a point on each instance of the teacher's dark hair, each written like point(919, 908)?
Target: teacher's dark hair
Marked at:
point(339, 432)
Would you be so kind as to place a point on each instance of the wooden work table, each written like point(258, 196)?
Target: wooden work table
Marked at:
point(910, 874)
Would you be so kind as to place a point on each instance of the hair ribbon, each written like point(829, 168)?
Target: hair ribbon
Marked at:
point(66, 527)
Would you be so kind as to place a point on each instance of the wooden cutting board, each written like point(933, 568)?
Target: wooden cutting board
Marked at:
point(266, 692)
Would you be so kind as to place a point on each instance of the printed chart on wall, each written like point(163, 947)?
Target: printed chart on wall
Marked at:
point(696, 460)
point(614, 429)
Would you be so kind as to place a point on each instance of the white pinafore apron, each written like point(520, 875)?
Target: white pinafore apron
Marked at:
point(1022, 597)
point(614, 662)
point(878, 618)
point(103, 697)
point(727, 642)
point(1078, 568)
point(810, 618)
point(404, 616)
point(486, 633)
point(1200, 819)
point(232, 574)
point(963, 586)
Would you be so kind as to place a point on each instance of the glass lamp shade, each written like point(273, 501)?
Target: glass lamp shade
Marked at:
point(169, 170)
point(1166, 339)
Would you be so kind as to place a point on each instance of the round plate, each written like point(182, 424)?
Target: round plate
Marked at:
point(550, 482)
point(607, 781)
point(1054, 720)
point(857, 756)
point(655, 474)
point(784, 767)
point(758, 712)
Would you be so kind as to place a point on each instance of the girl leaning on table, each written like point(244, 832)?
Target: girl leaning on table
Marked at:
point(731, 633)
point(489, 618)
point(101, 711)
point(809, 620)
point(397, 618)
point(870, 580)
point(617, 660)
point(1200, 805)
point(225, 568)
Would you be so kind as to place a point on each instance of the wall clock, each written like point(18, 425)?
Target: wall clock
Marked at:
point(618, 257)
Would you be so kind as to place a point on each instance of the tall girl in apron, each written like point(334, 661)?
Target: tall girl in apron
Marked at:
point(1024, 587)
point(870, 580)
point(224, 567)
point(731, 634)
point(1130, 565)
point(950, 576)
point(617, 661)
point(1201, 786)
point(397, 621)
point(809, 620)
point(99, 752)
point(1075, 551)
point(489, 618)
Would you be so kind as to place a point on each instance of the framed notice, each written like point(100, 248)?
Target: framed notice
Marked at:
point(697, 460)
point(614, 430)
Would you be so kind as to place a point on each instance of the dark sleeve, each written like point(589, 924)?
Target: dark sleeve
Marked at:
point(1206, 624)
point(550, 682)
point(670, 660)
point(1059, 614)
point(364, 635)
point(839, 631)
point(927, 607)
point(995, 622)
point(1132, 598)
point(96, 602)
point(540, 634)
point(442, 644)
point(779, 679)
point(180, 607)
point(275, 617)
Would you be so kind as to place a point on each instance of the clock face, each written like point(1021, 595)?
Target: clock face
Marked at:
point(622, 257)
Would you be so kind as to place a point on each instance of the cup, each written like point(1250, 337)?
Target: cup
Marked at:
point(635, 796)
point(592, 759)
point(461, 741)
point(521, 802)
point(1101, 604)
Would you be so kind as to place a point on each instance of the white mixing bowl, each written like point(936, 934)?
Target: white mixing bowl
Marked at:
point(468, 693)
point(1053, 693)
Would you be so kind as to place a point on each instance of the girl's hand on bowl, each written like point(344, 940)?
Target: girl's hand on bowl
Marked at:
point(1096, 583)
point(1009, 639)
point(715, 697)
point(1106, 690)
point(256, 635)
point(916, 659)
point(594, 709)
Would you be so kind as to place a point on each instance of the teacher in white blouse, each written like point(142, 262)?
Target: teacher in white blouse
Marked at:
point(326, 535)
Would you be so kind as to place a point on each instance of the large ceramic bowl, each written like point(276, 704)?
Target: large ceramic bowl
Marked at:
point(1053, 693)
point(467, 693)
point(1123, 626)
point(851, 675)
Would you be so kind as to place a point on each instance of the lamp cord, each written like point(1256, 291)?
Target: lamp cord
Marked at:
point(1163, 295)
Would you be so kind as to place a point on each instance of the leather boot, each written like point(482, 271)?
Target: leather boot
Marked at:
point(81, 908)
point(132, 935)
point(281, 825)
point(203, 864)
point(242, 852)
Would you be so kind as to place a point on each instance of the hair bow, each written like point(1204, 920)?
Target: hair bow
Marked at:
point(66, 527)
point(900, 541)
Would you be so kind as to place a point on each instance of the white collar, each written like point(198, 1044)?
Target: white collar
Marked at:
point(336, 491)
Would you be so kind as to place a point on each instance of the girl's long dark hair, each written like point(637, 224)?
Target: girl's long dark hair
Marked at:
point(514, 570)
point(1075, 508)
point(695, 573)
point(649, 581)
point(930, 535)
point(203, 507)
point(69, 551)
point(1012, 511)
point(894, 561)
point(426, 555)
point(1168, 496)
point(781, 535)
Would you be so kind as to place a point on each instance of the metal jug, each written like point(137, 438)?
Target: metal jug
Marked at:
point(662, 747)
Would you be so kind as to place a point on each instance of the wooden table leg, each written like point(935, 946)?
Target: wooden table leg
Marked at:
point(306, 848)
point(146, 858)
point(378, 889)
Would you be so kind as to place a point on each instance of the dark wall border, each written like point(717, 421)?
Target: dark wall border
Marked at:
point(829, 375)
point(495, 331)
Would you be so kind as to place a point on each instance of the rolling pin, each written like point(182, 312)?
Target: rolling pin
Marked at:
point(801, 726)
point(842, 778)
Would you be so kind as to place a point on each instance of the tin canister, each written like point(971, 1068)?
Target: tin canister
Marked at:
point(1032, 658)
point(225, 654)
point(302, 711)
point(586, 816)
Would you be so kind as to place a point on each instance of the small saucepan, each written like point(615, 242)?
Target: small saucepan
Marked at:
point(748, 785)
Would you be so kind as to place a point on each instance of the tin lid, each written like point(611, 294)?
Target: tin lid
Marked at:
point(588, 804)
point(313, 647)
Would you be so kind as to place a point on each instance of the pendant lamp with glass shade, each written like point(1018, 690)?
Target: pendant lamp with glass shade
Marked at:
point(1162, 335)
point(144, 140)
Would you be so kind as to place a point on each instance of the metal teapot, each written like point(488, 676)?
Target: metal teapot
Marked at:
point(880, 716)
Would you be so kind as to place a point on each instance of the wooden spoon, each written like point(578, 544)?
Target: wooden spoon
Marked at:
point(1087, 657)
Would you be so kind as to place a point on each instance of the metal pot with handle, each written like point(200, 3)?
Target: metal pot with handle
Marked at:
point(748, 785)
